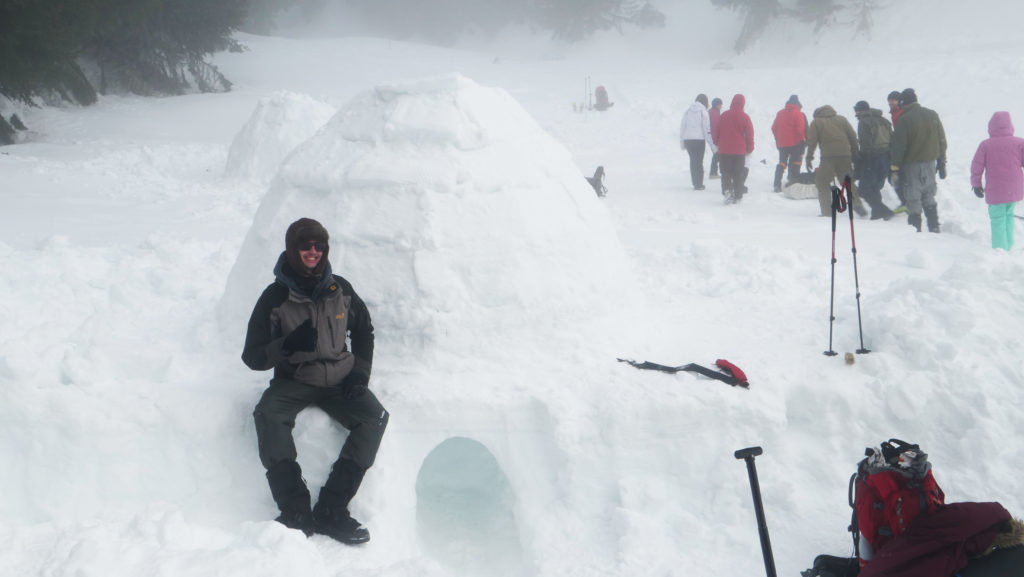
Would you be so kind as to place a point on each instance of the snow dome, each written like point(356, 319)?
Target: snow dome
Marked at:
point(280, 122)
point(453, 214)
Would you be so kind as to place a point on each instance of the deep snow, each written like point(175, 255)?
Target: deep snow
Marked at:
point(137, 232)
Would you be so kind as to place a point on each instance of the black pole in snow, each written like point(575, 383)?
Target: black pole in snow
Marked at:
point(832, 289)
point(848, 186)
point(748, 455)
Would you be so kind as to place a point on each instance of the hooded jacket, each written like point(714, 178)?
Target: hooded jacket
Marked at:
point(336, 311)
point(735, 131)
point(832, 133)
point(1000, 157)
point(917, 137)
point(790, 126)
point(696, 124)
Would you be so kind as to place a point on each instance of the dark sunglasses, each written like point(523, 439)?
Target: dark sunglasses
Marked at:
point(310, 245)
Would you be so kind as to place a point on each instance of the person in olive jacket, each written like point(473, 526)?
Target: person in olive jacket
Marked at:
point(298, 328)
point(838, 142)
point(917, 151)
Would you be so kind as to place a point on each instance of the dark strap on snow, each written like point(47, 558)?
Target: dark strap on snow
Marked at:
point(732, 374)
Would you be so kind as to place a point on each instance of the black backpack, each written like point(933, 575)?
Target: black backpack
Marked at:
point(597, 181)
point(832, 566)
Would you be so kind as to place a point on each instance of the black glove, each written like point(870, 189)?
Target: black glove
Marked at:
point(354, 385)
point(940, 167)
point(979, 192)
point(302, 339)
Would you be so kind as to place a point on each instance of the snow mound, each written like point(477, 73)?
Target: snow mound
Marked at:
point(280, 122)
point(452, 213)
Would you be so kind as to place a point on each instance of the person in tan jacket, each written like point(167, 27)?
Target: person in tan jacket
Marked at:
point(837, 139)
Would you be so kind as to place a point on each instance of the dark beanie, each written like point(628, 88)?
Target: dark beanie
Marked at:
point(703, 99)
point(861, 106)
point(894, 95)
point(794, 100)
point(716, 101)
point(299, 233)
point(908, 96)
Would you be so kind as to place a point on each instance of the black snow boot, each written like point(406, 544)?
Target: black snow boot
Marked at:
point(914, 220)
point(780, 169)
point(331, 516)
point(931, 213)
point(291, 495)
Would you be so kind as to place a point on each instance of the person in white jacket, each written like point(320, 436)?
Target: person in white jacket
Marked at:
point(694, 131)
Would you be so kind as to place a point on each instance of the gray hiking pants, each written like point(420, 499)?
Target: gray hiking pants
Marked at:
point(364, 417)
point(917, 180)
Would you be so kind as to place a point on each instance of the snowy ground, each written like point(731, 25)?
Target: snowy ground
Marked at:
point(132, 233)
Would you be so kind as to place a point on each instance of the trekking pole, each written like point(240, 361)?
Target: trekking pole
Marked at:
point(856, 281)
point(838, 205)
point(748, 455)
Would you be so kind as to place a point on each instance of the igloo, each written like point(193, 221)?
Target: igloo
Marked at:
point(280, 122)
point(453, 214)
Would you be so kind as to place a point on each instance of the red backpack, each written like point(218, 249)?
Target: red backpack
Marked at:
point(601, 98)
point(892, 487)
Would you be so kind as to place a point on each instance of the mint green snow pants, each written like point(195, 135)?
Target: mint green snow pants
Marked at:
point(1001, 216)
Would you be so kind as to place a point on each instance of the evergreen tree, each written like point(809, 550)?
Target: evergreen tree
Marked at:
point(159, 46)
point(141, 46)
point(864, 21)
point(39, 41)
point(820, 12)
point(756, 16)
point(6, 132)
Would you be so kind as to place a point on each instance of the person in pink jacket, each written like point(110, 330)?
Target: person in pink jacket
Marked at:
point(1000, 158)
point(734, 136)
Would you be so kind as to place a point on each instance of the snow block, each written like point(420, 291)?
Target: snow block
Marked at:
point(280, 122)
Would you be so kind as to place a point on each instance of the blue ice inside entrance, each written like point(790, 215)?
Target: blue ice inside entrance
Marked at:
point(465, 511)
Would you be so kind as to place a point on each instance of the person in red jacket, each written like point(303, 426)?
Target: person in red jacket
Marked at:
point(894, 112)
point(894, 105)
point(734, 136)
point(789, 129)
point(715, 114)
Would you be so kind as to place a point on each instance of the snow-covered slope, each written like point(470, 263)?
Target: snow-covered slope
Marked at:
point(503, 291)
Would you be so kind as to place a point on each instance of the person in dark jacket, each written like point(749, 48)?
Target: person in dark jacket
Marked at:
point(714, 115)
point(789, 129)
point(917, 152)
point(734, 136)
point(872, 166)
point(298, 328)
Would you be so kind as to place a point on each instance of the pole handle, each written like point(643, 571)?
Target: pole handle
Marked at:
point(749, 452)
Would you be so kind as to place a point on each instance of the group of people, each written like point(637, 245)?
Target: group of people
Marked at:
point(729, 134)
point(908, 151)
